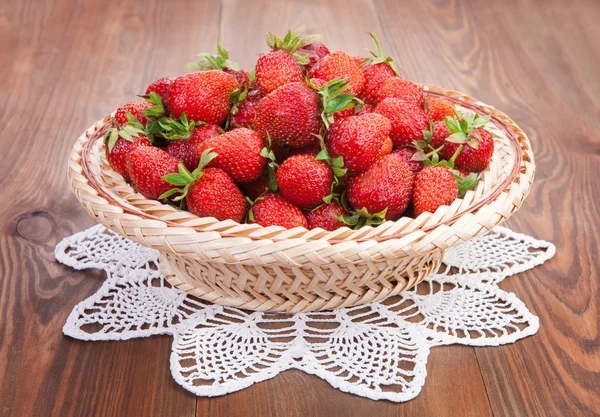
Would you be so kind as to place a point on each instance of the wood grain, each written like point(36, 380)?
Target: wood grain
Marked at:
point(65, 63)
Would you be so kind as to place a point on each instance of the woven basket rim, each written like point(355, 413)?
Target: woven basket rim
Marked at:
point(499, 119)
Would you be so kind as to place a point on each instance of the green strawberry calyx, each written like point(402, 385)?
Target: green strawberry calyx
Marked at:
point(337, 167)
point(131, 130)
point(205, 61)
point(272, 164)
point(159, 108)
point(334, 99)
point(465, 129)
point(379, 58)
point(185, 179)
point(237, 97)
point(292, 42)
point(362, 217)
point(172, 129)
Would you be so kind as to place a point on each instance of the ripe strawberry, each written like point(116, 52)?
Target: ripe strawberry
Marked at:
point(312, 148)
point(325, 217)
point(160, 87)
point(386, 148)
point(146, 165)
point(289, 115)
point(202, 96)
point(476, 154)
point(358, 139)
point(408, 120)
point(438, 137)
point(407, 154)
point(245, 115)
point(221, 62)
point(315, 51)
point(385, 185)
point(377, 70)
point(239, 154)
point(188, 149)
point(359, 60)
point(241, 76)
point(367, 108)
point(478, 144)
point(339, 65)
point(135, 108)
point(208, 192)
point(274, 210)
point(401, 89)
point(256, 188)
point(438, 108)
point(117, 157)
point(435, 186)
point(304, 180)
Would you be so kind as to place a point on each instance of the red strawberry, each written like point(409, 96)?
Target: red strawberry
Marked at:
point(315, 52)
point(386, 148)
point(367, 108)
point(439, 135)
point(202, 96)
point(276, 68)
point(439, 108)
point(239, 154)
point(304, 181)
point(339, 65)
point(377, 70)
point(358, 139)
point(476, 154)
point(435, 186)
point(311, 149)
point(208, 192)
point(256, 188)
point(407, 154)
point(358, 60)
point(408, 120)
point(117, 157)
point(245, 115)
point(146, 165)
point(135, 108)
point(289, 115)
point(274, 210)
point(401, 89)
point(241, 76)
point(325, 217)
point(253, 96)
point(385, 185)
point(188, 149)
point(160, 87)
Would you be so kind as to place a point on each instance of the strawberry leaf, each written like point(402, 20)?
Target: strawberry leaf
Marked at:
point(481, 121)
point(466, 184)
point(458, 137)
point(453, 125)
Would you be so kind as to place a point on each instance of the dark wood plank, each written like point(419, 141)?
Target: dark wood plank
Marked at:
point(66, 64)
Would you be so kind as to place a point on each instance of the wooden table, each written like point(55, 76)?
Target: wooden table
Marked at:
point(66, 64)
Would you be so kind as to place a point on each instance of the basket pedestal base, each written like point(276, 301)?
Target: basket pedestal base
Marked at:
point(297, 289)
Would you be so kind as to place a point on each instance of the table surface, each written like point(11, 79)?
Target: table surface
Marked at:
point(66, 64)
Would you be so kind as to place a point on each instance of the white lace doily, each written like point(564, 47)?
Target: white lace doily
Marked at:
point(378, 351)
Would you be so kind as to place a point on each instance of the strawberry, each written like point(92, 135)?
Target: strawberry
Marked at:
point(304, 181)
point(359, 61)
point(315, 51)
point(241, 76)
point(435, 186)
point(477, 143)
point(386, 148)
point(281, 65)
point(202, 96)
point(438, 137)
point(438, 108)
point(377, 70)
point(187, 149)
point(384, 188)
point(367, 108)
point(407, 156)
point(274, 210)
point(401, 89)
point(289, 115)
point(256, 188)
point(120, 141)
point(358, 139)
point(239, 154)
point(326, 217)
point(244, 115)
point(208, 192)
point(312, 148)
point(146, 165)
point(160, 87)
point(408, 120)
point(135, 108)
point(339, 65)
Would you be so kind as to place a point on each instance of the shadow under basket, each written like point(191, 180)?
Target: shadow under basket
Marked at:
point(273, 269)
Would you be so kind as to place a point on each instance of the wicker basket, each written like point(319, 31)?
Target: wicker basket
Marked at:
point(274, 269)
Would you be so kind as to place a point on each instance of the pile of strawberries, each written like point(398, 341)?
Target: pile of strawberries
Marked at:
point(309, 138)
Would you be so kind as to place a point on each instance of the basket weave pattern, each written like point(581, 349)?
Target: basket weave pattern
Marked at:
point(274, 269)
